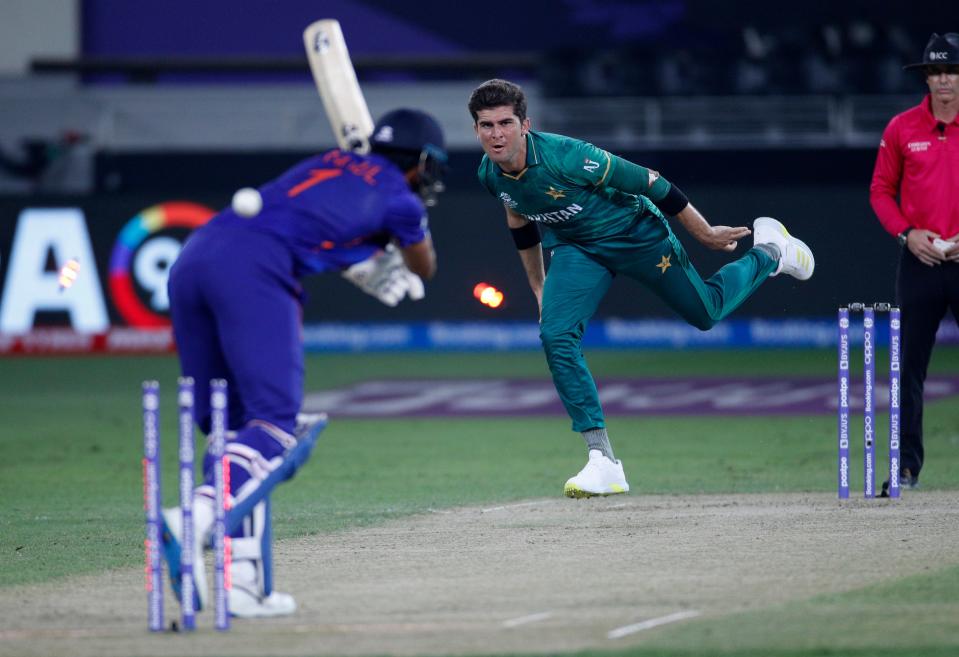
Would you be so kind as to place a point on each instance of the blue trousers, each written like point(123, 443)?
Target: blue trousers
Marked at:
point(237, 315)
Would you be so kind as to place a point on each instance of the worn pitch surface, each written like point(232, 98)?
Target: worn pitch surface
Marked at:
point(549, 575)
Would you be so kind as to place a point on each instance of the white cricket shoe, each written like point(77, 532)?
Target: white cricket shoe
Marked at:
point(244, 600)
point(600, 476)
point(796, 258)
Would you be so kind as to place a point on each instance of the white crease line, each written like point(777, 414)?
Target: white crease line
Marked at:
point(626, 630)
point(511, 506)
point(525, 620)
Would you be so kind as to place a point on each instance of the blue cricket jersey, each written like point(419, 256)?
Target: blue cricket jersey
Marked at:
point(336, 209)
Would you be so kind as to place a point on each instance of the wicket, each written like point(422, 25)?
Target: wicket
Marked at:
point(869, 397)
point(152, 502)
point(185, 404)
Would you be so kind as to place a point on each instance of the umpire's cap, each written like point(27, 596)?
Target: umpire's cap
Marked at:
point(940, 50)
point(409, 130)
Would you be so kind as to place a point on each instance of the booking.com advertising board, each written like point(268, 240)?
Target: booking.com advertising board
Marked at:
point(121, 249)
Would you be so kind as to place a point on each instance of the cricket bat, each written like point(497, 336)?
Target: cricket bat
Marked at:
point(336, 81)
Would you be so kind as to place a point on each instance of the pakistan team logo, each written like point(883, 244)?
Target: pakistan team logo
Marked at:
point(508, 200)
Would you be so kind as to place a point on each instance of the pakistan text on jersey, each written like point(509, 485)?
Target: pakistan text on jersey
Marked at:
point(557, 217)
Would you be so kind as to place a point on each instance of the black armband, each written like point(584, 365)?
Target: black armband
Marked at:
point(673, 203)
point(526, 237)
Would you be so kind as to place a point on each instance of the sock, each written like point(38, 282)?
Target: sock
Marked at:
point(598, 439)
point(769, 249)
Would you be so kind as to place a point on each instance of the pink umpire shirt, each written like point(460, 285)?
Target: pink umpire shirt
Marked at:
point(918, 159)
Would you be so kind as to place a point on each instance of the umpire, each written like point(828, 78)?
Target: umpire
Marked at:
point(915, 194)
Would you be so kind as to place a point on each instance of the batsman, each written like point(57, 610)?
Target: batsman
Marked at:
point(236, 305)
point(602, 216)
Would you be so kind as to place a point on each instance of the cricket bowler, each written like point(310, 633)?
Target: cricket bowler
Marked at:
point(601, 216)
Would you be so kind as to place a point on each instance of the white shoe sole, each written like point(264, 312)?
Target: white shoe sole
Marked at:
point(245, 605)
point(577, 492)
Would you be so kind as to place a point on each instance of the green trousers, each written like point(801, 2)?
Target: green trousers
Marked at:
point(579, 276)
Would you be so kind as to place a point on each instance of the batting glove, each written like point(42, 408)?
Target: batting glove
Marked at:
point(386, 277)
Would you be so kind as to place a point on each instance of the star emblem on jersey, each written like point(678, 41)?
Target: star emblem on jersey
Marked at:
point(664, 264)
point(554, 193)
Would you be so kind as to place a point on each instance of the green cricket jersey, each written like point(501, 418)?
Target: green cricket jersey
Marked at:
point(564, 189)
point(595, 232)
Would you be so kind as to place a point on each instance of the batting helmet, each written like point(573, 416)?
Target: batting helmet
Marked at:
point(411, 138)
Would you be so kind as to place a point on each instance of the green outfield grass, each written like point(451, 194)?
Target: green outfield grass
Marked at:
point(71, 443)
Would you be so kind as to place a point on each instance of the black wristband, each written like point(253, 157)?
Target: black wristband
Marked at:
point(526, 237)
point(673, 203)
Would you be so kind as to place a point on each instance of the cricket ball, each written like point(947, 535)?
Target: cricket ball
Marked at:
point(247, 202)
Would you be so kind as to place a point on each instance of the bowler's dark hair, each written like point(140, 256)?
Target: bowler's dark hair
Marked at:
point(496, 93)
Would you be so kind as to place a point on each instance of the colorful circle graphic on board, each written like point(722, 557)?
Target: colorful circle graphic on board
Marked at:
point(142, 256)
